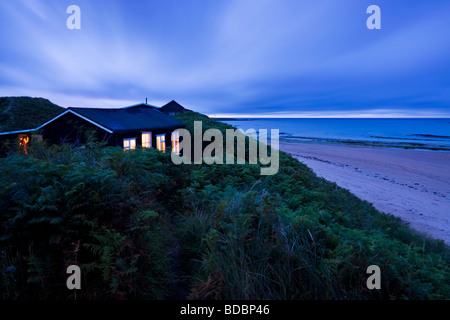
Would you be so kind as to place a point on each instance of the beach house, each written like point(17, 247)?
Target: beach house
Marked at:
point(172, 108)
point(138, 125)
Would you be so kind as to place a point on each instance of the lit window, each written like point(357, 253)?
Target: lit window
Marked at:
point(23, 141)
point(161, 142)
point(176, 142)
point(146, 140)
point(129, 144)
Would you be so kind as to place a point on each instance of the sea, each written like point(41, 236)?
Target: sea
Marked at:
point(423, 133)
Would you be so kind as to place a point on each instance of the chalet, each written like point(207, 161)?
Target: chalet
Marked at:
point(172, 108)
point(138, 125)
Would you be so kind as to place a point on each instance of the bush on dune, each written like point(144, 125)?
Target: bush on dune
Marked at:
point(141, 227)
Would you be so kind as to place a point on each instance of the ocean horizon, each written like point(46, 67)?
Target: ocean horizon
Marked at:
point(409, 133)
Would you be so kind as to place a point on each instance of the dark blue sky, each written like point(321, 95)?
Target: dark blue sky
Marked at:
point(232, 57)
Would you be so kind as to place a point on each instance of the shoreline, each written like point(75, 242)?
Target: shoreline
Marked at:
point(411, 184)
point(366, 143)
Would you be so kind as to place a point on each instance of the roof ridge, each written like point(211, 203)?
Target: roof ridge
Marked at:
point(114, 121)
point(140, 104)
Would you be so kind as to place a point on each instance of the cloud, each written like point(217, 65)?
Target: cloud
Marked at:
point(259, 56)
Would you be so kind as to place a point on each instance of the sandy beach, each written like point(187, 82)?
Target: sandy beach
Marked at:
point(411, 184)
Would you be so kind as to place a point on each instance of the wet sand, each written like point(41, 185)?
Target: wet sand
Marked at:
point(411, 184)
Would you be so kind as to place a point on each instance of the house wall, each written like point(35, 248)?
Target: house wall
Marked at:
point(11, 142)
point(172, 109)
point(8, 143)
point(72, 129)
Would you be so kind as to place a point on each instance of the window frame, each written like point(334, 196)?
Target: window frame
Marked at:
point(159, 142)
point(149, 141)
point(175, 147)
point(129, 145)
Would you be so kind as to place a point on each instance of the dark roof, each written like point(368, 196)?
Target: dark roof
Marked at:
point(172, 106)
point(134, 118)
point(141, 105)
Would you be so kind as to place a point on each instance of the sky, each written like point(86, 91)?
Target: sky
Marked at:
point(249, 58)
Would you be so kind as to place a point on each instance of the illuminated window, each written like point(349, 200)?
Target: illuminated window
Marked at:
point(23, 141)
point(176, 142)
point(161, 142)
point(146, 140)
point(129, 144)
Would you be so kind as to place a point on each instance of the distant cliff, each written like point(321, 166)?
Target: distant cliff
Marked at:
point(19, 113)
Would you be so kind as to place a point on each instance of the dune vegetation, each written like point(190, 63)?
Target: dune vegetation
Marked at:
point(141, 227)
point(18, 113)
